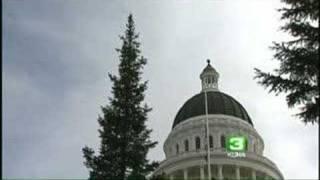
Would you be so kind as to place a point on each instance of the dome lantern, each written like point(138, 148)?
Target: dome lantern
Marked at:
point(209, 78)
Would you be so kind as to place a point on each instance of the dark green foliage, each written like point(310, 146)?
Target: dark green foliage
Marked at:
point(298, 74)
point(125, 139)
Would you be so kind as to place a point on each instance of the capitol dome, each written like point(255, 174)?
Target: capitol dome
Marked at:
point(198, 146)
point(218, 103)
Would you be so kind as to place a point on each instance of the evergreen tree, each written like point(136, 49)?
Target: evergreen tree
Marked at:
point(298, 74)
point(125, 139)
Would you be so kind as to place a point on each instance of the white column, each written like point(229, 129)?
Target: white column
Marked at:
point(185, 174)
point(220, 175)
point(253, 175)
point(171, 177)
point(237, 173)
point(201, 172)
point(266, 177)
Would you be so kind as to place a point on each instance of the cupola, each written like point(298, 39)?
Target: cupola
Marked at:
point(209, 78)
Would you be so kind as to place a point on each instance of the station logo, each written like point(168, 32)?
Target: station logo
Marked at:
point(237, 146)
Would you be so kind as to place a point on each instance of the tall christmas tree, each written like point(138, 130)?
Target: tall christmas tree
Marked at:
point(125, 139)
point(298, 73)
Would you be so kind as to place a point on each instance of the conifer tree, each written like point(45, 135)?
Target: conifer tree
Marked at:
point(298, 74)
point(125, 139)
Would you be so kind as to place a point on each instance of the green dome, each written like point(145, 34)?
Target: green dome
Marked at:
point(218, 103)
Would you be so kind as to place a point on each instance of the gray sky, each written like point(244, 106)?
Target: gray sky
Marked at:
point(56, 56)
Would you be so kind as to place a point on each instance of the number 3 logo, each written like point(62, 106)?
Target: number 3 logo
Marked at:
point(236, 143)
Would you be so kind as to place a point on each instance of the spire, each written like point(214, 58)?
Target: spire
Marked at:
point(209, 78)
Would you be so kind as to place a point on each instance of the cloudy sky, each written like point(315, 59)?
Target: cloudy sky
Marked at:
point(56, 56)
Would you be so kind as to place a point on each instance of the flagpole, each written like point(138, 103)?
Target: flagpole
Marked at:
point(207, 134)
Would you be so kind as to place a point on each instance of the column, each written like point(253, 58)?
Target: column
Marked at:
point(220, 175)
point(171, 177)
point(237, 173)
point(266, 177)
point(185, 174)
point(253, 175)
point(201, 172)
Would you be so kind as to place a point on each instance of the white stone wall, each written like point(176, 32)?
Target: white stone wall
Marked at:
point(185, 162)
point(218, 125)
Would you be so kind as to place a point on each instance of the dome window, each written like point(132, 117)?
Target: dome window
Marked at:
point(198, 143)
point(255, 148)
point(210, 141)
point(223, 141)
point(177, 149)
point(186, 145)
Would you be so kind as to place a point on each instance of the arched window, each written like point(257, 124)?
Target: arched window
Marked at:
point(223, 141)
point(198, 143)
point(186, 145)
point(177, 149)
point(255, 148)
point(211, 141)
